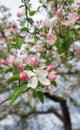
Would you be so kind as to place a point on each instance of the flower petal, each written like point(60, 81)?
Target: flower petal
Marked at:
point(44, 81)
point(30, 73)
point(33, 82)
point(43, 73)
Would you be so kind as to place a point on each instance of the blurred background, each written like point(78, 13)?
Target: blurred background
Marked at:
point(23, 115)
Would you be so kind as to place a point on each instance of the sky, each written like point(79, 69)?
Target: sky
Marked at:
point(13, 5)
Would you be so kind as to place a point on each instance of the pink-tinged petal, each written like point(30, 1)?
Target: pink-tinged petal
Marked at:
point(44, 81)
point(33, 82)
point(43, 73)
point(30, 73)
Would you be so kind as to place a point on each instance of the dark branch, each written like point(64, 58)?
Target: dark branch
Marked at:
point(55, 98)
point(51, 110)
point(7, 99)
point(64, 108)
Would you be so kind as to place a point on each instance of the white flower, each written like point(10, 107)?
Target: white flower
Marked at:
point(37, 75)
point(53, 21)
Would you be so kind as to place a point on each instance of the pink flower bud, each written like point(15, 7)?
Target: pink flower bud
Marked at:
point(52, 77)
point(41, 34)
point(3, 61)
point(24, 76)
point(24, 58)
point(13, 25)
point(50, 68)
point(20, 67)
point(51, 38)
point(33, 61)
point(19, 14)
point(78, 19)
point(59, 11)
point(71, 25)
point(11, 59)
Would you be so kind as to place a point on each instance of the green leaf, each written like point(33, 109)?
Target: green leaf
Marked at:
point(28, 67)
point(13, 78)
point(30, 20)
point(19, 41)
point(58, 44)
point(31, 13)
point(21, 6)
point(40, 96)
point(24, 29)
point(49, 0)
point(8, 70)
point(34, 93)
point(37, 38)
point(17, 93)
point(71, 33)
point(54, 83)
point(40, 1)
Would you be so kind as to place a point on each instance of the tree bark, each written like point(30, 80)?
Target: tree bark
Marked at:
point(64, 108)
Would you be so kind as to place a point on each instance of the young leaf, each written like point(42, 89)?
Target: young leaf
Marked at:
point(19, 41)
point(40, 96)
point(31, 13)
point(34, 94)
point(24, 29)
point(54, 83)
point(13, 78)
point(28, 67)
point(30, 20)
point(21, 6)
point(17, 93)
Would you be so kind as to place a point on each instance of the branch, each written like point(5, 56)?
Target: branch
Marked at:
point(64, 108)
point(51, 110)
point(26, 14)
point(56, 4)
point(7, 99)
point(55, 98)
point(68, 72)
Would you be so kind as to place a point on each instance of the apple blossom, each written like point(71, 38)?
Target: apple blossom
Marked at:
point(71, 25)
point(72, 17)
point(20, 67)
point(24, 76)
point(59, 11)
point(78, 18)
point(53, 21)
point(52, 77)
point(41, 34)
point(13, 25)
point(19, 14)
point(3, 61)
point(50, 68)
point(2, 42)
point(51, 38)
point(33, 61)
point(37, 75)
point(24, 58)
point(11, 59)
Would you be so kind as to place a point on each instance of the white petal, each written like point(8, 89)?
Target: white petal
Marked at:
point(43, 73)
point(33, 82)
point(30, 73)
point(44, 81)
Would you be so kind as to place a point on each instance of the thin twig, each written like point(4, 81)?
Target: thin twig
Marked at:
point(7, 99)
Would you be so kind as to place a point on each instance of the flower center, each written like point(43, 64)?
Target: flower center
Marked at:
point(37, 73)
